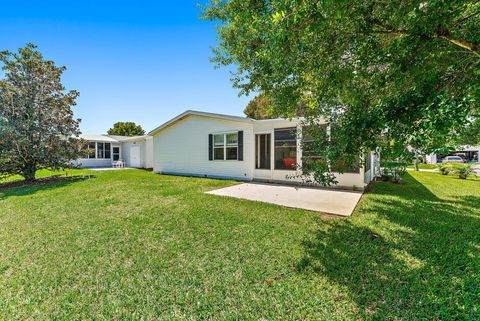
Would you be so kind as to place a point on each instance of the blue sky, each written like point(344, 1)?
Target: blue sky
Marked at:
point(141, 61)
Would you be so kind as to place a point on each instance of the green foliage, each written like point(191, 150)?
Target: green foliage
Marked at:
point(470, 135)
point(376, 71)
point(462, 170)
point(393, 170)
point(260, 107)
point(126, 129)
point(445, 168)
point(37, 129)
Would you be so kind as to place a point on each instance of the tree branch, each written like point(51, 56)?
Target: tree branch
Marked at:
point(442, 33)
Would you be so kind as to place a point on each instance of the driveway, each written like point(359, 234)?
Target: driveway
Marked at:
point(330, 201)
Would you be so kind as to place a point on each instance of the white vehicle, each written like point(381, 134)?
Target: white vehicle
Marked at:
point(453, 159)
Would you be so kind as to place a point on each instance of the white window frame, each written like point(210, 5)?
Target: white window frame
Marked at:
point(225, 145)
point(96, 150)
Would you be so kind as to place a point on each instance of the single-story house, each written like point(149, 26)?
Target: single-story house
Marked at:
point(103, 150)
point(205, 144)
point(467, 152)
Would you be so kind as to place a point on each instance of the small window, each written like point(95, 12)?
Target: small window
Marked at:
point(286, 148)
point(116, 153)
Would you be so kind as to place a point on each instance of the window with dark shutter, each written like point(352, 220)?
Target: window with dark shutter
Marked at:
point(224, 146)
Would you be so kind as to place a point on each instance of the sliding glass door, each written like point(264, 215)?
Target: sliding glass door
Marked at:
point(262, 151)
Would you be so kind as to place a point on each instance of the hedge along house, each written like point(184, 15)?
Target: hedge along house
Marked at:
point(222, 146)
point(103, 150)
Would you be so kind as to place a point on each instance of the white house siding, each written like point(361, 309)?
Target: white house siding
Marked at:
point(182, 148)
point(126, 149)
point(93, 162)
point(149, 152)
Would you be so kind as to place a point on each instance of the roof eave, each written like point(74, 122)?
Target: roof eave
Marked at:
point(199, 113)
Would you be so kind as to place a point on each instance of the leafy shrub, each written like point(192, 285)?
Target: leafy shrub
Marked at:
point(463, 171)
point(445, 168)
point(393, 170)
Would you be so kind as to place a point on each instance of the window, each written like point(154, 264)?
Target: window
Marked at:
point(354, 168)
point(91, 150)
point(232, 145)
point(100, 148)
point(107, 150)
point(309, 152)
point(225, 146)
point(103, 150)
point(286, 148)
point(219, 146)
point(116, 153)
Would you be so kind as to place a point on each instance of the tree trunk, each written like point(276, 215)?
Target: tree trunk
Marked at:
point(416, 161)
point(28, 172)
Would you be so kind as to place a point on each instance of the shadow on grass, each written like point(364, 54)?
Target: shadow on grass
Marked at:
point(7, 190)
point(408, 254)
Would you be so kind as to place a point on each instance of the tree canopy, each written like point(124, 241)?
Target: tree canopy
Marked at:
point(383, 74)
point(126, 129)
point(37, 128)
point(260, 107)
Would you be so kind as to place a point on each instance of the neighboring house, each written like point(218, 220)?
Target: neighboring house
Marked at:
point(222, 146)
point(467, 152)
point(103, 150)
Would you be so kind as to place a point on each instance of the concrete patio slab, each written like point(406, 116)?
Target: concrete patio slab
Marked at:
point(337, 202)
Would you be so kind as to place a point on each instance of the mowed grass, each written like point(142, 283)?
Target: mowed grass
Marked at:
point(133, 245)
point(44, 173)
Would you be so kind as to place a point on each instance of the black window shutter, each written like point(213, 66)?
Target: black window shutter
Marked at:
point(240, 146)
point(210, 147)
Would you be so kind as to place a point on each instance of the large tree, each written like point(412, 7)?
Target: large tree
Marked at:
point(37, 128)
point(384, 74)
point(126, 129)
point(260, 107)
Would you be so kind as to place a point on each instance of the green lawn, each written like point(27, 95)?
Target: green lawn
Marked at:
point(43, 173)
point(131, 245)
point(424, 166)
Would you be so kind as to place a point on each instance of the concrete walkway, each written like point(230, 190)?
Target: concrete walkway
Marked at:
point(330, 201)
point(424, 170)
point(109, 168)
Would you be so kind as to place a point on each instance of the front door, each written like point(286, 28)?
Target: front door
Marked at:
point(116, 154)
point(135, 156)
point(262, 151)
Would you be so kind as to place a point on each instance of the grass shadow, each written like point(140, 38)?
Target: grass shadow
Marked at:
point(22, 189)
point(407, 254)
